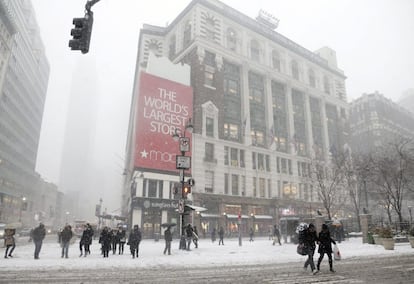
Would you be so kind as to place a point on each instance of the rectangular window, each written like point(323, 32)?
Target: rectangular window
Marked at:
point(284, 166)
point(234, 184)
point(262, 187)
point(209, 77)
point(269, 188)
point(152, 188)
point(254, 160)
point(260, 162)
point(231, 131)
point(242, 164)
point(268, 163)
point(254, 187)
point(234, 157)
point(290, 167)
point(209, 152)
point(226, 183)
point(209, 127)
point(226, 155)
point(209, 181)
point(243, 185)
point(278, 165)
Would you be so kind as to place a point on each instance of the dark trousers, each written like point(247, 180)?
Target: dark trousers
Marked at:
point(121, 247)
point(38, 247)
point(221, 241)
point(167, 247)
point(321, 255)
point(9, 253)
point(309, 261)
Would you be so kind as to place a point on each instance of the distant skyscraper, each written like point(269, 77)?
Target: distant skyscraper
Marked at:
point(24, 75)
point(78, 148)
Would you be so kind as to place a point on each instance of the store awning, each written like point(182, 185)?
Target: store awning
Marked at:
point(196, 208)
point(209, 215)
point(234, 216)
point(263, 217)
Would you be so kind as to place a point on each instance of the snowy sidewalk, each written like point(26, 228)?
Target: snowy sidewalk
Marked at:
point(260, 251)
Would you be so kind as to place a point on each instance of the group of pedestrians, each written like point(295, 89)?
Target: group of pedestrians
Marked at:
point(308, 238)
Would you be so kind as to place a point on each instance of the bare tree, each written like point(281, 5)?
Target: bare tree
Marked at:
point(327, 179)
point(392, 169)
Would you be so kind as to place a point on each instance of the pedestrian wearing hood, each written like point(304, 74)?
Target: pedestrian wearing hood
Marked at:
point(134, 240)
point(307, 238)
point(168, 240)
point(37, 235)
point(325, 246)
point(65, 237)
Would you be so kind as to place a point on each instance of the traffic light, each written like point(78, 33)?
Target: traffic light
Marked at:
point(186, 190)
point(81, 33)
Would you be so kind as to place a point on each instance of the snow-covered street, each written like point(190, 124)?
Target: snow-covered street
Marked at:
point(260, 251)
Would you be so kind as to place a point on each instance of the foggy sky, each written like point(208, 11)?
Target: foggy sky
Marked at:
point(373, 40)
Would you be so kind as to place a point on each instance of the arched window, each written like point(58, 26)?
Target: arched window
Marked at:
point(312, 80)
point(276, 60)
point(255, 50)
point(295, 69)
point(231, 39)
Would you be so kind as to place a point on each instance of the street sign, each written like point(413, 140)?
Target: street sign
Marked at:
point(183, 162)
point(181, 206)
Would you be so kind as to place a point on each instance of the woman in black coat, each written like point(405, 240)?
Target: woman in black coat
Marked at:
point(307, 238)
point(325, 246)
point(105, 240)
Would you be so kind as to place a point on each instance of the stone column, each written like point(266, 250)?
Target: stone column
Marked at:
point(365, 222)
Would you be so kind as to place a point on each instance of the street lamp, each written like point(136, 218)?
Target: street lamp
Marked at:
point(411, 216)
point(67, 216)
point(183, 163)
point(22, 207)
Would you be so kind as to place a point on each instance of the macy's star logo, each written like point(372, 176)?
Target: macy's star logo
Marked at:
point(144, 154)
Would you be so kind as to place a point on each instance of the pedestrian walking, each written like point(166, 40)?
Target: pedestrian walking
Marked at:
point(307, 238)
point(221, 236)
point(325, 246)
point(189, 235)
point(65, 237)
point(134, 241)
point(195, 236)
point(114, 240)
point(9, 242)
point(213, 235)
point(86, 240)
point(121, 237)
point(251, 234)
point(168, 240)
point(105, 240)
point(37, 235)
point(276, 235)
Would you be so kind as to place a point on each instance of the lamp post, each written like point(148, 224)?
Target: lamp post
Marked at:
point(67, 216)
point(22, 207)
point(411, 216)
point(183, 163)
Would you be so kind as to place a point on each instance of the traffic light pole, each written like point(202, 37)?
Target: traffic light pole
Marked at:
point(183, 198)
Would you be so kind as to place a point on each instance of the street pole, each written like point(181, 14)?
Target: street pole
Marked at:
point(240, 236)
point(183, 163)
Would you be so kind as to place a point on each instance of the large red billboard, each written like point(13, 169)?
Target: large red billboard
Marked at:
point(163, 106)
